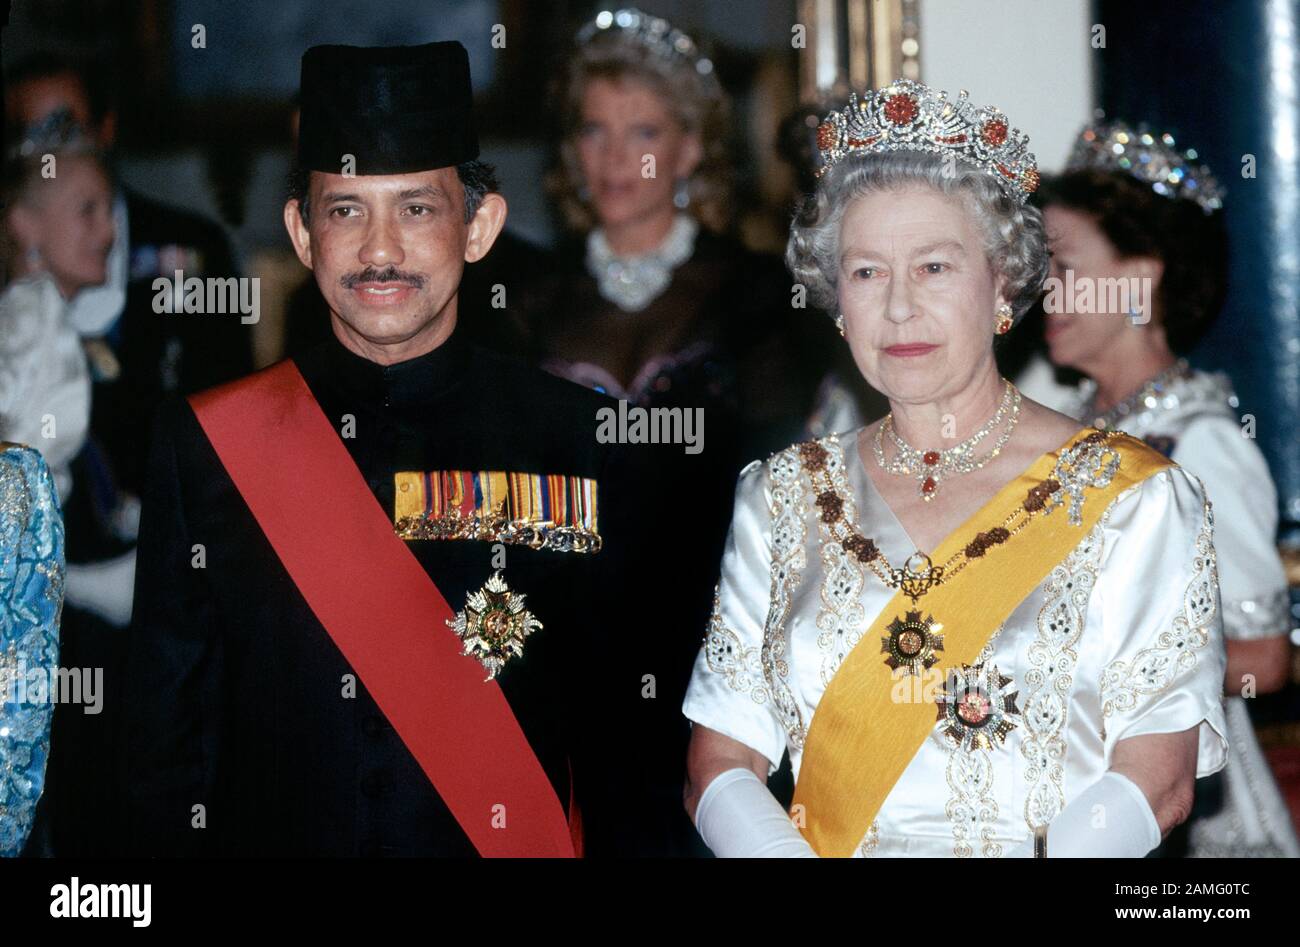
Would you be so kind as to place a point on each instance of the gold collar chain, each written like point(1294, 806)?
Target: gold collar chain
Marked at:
point(918, 574)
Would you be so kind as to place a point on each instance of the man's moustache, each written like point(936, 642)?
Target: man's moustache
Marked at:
point(352, 280)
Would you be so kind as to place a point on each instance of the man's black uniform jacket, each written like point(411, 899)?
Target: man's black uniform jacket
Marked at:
point(236, 692)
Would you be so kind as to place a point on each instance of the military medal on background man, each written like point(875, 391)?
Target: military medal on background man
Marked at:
point(354, 670)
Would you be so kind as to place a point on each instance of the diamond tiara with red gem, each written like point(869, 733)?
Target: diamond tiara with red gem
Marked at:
point(1148, 156)
point(910, 116)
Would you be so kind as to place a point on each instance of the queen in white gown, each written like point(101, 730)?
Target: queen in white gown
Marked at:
point(966, 648)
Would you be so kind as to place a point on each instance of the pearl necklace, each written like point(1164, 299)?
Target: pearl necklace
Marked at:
point(930, 467)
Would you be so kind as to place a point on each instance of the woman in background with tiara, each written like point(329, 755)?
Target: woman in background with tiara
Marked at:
point(1131, 207)
point(652, 302)
point(972, 623)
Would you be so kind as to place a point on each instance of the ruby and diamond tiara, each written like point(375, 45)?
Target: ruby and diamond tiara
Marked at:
point(910, 116)
point(1149, 156)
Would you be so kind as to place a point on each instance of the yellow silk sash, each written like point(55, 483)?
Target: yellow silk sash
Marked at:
point(861, 738)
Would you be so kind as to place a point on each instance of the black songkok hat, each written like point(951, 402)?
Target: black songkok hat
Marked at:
point(397, 109)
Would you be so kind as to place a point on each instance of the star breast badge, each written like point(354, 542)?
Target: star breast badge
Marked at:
point(493, 624)
point(977, 708)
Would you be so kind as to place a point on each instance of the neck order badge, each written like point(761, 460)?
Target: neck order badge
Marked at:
point(288, 463)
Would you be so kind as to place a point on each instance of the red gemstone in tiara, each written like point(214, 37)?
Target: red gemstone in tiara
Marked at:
point(994, 133)
point(901, 109)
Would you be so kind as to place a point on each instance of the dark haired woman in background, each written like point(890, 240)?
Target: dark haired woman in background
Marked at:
point(1131, 207)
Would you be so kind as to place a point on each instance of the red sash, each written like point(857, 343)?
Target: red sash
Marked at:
point(382, 611)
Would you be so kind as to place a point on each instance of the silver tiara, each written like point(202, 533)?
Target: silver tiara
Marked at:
point(1150, 157)
point(656, 34)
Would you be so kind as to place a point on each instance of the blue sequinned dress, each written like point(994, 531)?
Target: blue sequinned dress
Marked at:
point(31, 600)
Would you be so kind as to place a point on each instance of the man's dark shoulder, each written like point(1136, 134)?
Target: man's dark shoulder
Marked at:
point(181, 458)
point(175, 421)
point(174, 414)
point(175, 418)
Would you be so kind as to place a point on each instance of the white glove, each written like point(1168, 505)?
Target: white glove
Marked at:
point(1127, 826)
point(738, 818)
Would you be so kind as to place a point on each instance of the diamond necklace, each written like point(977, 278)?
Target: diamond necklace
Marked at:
point(930, 467)
point(634, 282)
point(1150, 389)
